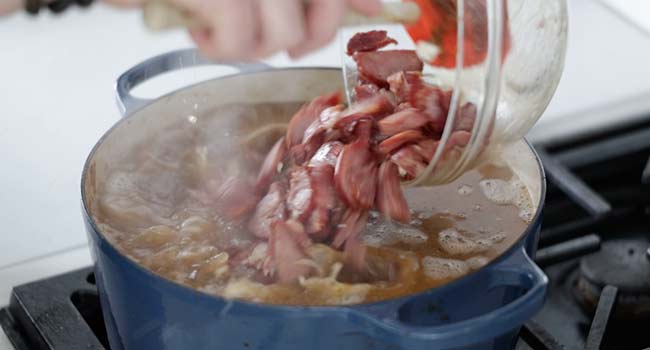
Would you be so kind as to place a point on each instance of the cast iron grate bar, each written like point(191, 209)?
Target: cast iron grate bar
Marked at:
point(580, 227)
point(604, 312)
point(567, 250)
point(57, 323)
point(538, 338)
point(569, 230)
point(14, 333)
point(645, 177)
point(602, 151)
point(574, 187)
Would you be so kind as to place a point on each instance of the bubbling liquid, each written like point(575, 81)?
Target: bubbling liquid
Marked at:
point(511, 192)
point(156, 206)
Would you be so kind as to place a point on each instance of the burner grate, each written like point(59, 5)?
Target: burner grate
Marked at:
point(595, 196)
point(574, 187)
point(567, 250)
point(538, 338)
point(70, 318)
point(602, 317)
point(645, 177)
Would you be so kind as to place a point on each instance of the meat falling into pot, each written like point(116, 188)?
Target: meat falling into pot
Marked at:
point(312, 212)
point(336, 163)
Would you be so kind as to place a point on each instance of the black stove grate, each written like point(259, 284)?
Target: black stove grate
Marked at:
point(61, 312)
point(596, 196)
point(598, 193)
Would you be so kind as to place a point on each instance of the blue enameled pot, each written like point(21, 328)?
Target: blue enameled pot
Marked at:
point(143, 311)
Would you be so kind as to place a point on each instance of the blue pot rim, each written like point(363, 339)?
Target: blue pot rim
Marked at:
point(114, 252)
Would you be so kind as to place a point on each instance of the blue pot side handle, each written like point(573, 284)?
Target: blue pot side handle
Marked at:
point(517, 272)
point(167, 62)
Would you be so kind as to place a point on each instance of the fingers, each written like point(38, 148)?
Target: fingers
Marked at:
point(246, 29)
point(9, 6)
point(202, 37)
point(282, 24)
point(230, 27)
point(323, 20)
point(254, 29)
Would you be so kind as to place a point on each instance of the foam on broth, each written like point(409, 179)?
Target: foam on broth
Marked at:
point(155, 207)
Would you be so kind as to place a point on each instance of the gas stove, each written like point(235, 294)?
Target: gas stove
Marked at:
point(595, 242)
point(595, 249)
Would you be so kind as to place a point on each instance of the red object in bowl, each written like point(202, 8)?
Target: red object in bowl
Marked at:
point(438, 25)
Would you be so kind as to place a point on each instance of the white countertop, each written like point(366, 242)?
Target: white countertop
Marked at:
point(56, 97)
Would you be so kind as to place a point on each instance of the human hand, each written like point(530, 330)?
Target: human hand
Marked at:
point(254, 29)
point(9, 6)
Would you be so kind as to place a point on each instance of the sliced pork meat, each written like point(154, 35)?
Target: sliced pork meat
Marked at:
point(306, 115)
point(426, 148)
point(286, 252)
point(354, 253)
point(365, 91)
point(376, 106)
point(356, 127)
point(377, 66)
point(390, 200)
point(465, 117)
point(364, 128)
point(369, 41)
point(337, 163)
point(271, 166)
point(409, 161)
point(459, 138)
point(329, 117)
point(352, 225)
point(428, 100)
point(325, 200)
point(327, 154)
point(301, 153)
point(269, 210)
point(401, 83)
point(236, 198)
point(398, 140)
point(348, 124)
point(300, 198)
point(355, 175)
point(324, 123)
point(406, 119)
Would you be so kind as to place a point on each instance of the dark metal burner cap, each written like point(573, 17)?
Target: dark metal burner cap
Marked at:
point(622, 263)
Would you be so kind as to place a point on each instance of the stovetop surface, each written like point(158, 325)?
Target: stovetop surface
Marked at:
point(594, 247)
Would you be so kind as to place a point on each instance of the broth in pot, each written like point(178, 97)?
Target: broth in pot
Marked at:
point(158, 204)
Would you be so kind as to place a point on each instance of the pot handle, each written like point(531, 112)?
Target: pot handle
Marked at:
point(517, 270)
point(164, 63)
